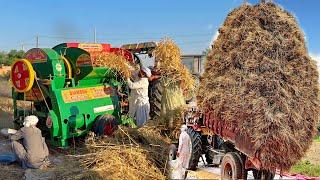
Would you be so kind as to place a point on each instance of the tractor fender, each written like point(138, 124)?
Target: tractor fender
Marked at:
point(196, 127)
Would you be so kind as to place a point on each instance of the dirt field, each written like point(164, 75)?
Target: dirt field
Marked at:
point(6, 110)
point(6, 104)
point(4, 70)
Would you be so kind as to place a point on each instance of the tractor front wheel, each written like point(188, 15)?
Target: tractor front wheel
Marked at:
point(105, 125)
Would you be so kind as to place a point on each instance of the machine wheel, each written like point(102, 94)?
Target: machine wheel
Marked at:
point(231, 167)
point(263, 174)
point(196, 148)
point(172, 152)
point(155, 96)
point(105, 125)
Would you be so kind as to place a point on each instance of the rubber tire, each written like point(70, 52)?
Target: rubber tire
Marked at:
point(172, 152)
point(209, 161)
point(262, 174)
point(231, 162)
point(155, 96)
point(206, 150)
point(101, 122)
point(196, 148)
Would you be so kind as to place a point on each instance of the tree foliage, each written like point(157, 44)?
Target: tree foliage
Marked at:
point(6, 58)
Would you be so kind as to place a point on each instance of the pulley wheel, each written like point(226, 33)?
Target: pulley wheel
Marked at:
point(22, 75)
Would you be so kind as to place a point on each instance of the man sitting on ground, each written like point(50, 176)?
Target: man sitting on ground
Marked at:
point(33, 151)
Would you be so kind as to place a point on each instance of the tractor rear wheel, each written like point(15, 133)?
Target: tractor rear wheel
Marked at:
point(155, 96)
point(105, 125)
point(231, 167)
point(196, 148)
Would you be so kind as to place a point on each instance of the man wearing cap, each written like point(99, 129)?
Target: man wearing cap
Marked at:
point(184, 149)
point(33, 151)
point(140, 107)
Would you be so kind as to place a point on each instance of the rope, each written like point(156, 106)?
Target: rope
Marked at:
point(45, 101)
point(34, 94)
point(24, 109)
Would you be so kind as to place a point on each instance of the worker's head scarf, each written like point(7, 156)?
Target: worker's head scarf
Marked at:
point(147, 71)
point(184, 128)
point(30, 121)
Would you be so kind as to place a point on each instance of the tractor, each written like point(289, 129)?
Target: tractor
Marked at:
point(222, 145)
point(68, 93)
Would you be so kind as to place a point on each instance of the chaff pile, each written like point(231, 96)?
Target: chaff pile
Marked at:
point(115, 62)
point(168, 62)
point(131, 154)
point(260, 79)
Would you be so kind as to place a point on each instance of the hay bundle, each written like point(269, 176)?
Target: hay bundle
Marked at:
point(259, 78)
point(115, 62)
point(168, 56)
point(130, 154)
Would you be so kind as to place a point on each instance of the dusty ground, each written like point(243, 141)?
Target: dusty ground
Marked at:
point(6, 110)
point(203, 173)
point(6, 107)
point(4, 70)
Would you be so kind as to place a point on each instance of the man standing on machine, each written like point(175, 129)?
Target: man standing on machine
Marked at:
point(139, 107)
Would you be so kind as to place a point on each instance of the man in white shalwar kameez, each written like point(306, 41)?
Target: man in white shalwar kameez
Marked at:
point(184, 149)
point(139, 106)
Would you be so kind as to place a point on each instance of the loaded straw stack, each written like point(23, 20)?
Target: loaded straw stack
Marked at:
point(168, 56)
point(116, 62)
point(260, 79)
point(177, 82)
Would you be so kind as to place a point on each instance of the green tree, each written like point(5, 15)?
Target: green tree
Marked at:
point(3, 58)
point(13, 55)
point(8, 58)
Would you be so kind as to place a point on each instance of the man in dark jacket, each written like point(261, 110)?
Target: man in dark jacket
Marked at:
point(33, 151)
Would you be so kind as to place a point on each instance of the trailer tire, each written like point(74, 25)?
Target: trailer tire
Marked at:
point(155, 96)
point(231, 167)
point(105, 125)
point(263, 174)
point(196, 148)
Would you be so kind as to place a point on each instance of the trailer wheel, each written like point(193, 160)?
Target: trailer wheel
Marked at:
point(263, 174)
point(196, 148)
point(155, 96)
point(105, 125)
point(231, 167)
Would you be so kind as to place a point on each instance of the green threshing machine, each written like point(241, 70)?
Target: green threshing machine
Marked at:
point(68, 93)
